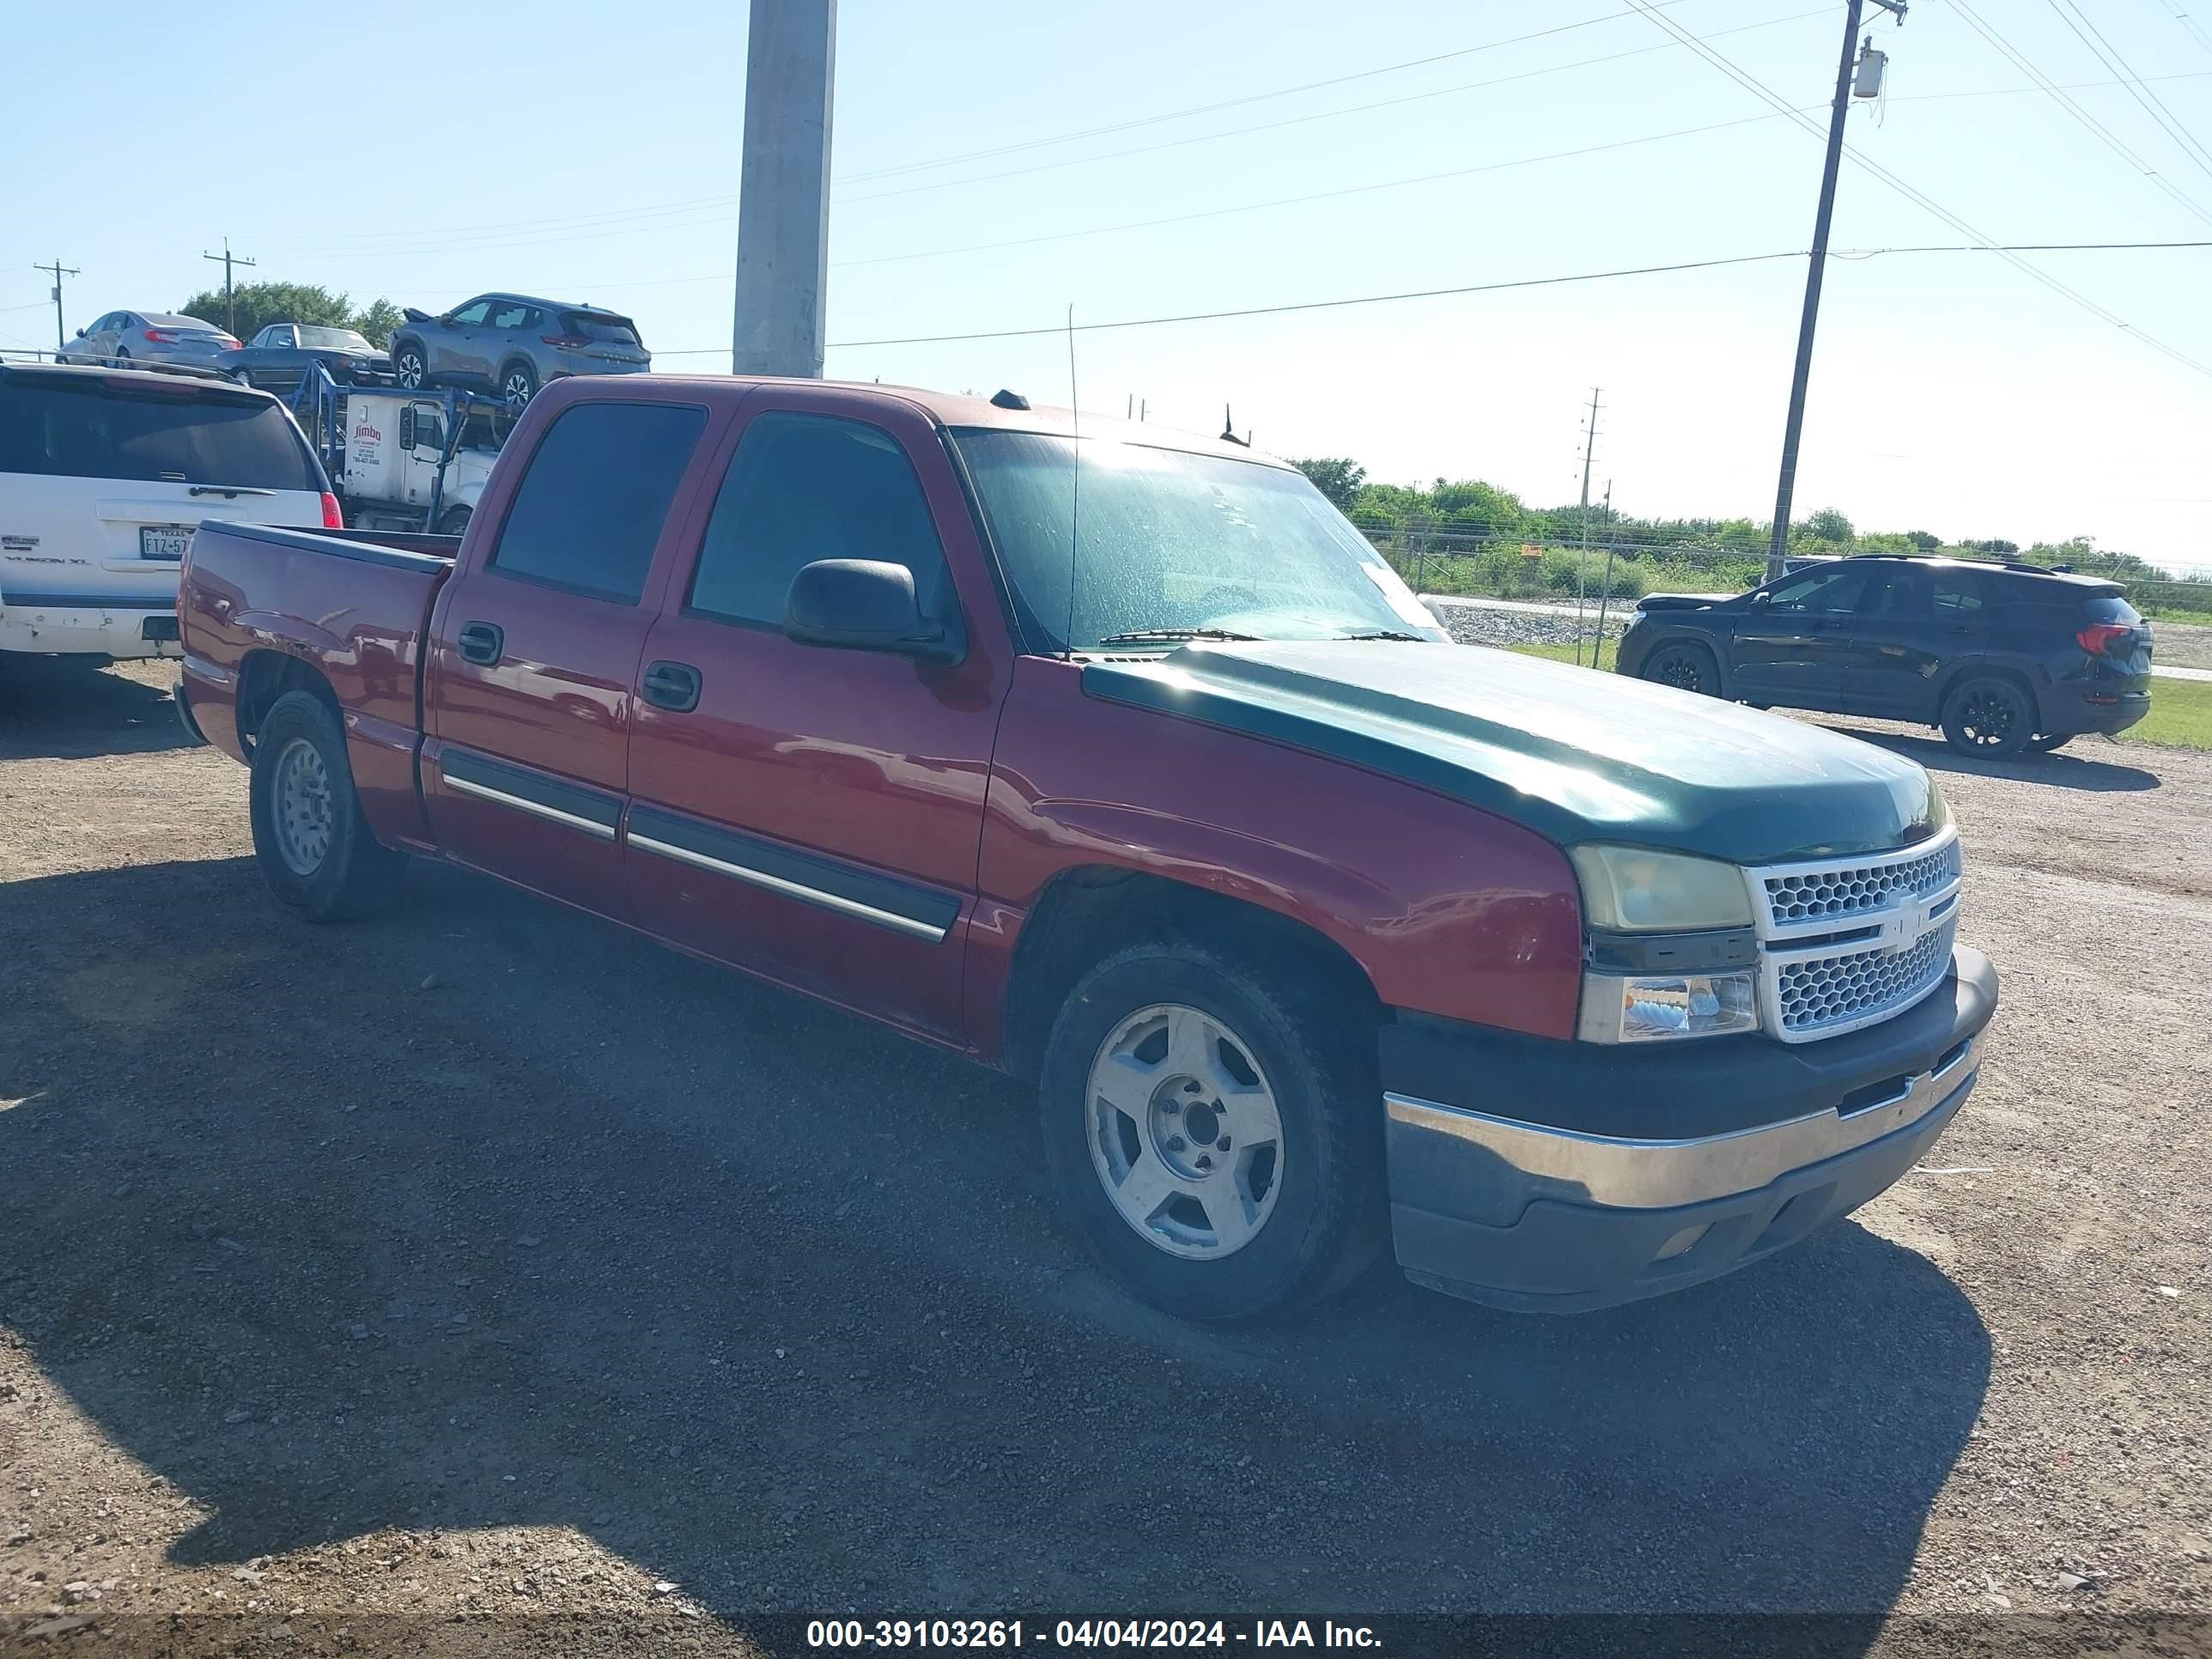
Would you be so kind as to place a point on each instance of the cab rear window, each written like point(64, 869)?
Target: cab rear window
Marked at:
point(98, 429)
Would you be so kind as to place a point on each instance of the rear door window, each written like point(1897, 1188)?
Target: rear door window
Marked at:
point(808, 487)
point(90, 430)
point(1960, 594)
point(589, 511)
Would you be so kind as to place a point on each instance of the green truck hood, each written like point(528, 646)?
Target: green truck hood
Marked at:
point(1572, 754)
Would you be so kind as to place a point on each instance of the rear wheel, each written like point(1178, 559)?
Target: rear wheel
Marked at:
point(409, 366)
point(1685, 667)
point(2044, 742)
point(310, 837)
point(1987, 715)
point(1216, 1139)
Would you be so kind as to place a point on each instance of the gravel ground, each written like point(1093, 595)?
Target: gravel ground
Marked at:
point(486, 1279)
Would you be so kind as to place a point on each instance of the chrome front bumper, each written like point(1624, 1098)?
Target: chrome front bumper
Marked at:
point(1491, 1201)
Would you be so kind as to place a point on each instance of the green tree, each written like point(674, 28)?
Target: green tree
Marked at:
point(1829, 525)
point(1923, 540)
point(259, 304)
point(1339, 479)
point(378, 321)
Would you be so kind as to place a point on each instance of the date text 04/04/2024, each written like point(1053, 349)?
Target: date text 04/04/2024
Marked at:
point(1085, 1633)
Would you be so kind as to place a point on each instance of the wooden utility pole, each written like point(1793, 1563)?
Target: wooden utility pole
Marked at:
point(230, 294)
point(59, 270)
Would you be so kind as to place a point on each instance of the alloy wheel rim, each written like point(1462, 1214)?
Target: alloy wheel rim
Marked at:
point(302, 815)
point(518, 389)
point(1185, 1135)
point(1987, 719)
point(1679, 671)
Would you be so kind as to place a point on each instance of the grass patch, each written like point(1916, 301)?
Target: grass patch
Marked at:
point(1566, 653)
point(2180, 716)
point(2180, 710)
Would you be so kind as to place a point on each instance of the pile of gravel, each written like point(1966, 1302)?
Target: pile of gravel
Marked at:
point(1477, 625)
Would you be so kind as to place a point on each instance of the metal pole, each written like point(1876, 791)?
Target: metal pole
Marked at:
point(783, 188)
point(1582, 558)
point(1780, 546)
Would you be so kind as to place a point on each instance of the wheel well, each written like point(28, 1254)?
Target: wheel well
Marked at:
point(518, 362)
point(1085, 914)
point(265, 676)
point(1694, 642)
point(1982, 671)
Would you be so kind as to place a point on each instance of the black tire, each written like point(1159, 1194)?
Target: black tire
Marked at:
point(1329, 1217)
point(410, 367)
point(356, 874)
point(1989, 715)
point(122, 354)
point(2044, 742)
point(454, 521)
point(1687, 667)
point(517, 384)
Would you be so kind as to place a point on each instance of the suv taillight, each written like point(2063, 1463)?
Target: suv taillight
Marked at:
point(568, 342)
point(333, 519)
point(2097, 637)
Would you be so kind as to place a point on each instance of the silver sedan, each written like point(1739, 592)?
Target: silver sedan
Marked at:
point(148, 336)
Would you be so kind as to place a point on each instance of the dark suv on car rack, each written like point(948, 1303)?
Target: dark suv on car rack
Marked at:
point(2004, 658)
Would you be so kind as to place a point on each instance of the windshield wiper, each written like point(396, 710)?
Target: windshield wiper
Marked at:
point(1140, 635)
point(1387, 634)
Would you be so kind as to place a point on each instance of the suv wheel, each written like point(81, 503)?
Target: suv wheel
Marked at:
point(517, 384)
point(1684, 667)
point(2044, 742)
point(1987, 715)
point(409, 366)
point(1218, 1140)
point(314, 843)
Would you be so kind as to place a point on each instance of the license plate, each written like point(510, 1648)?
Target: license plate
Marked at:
point(165, 541)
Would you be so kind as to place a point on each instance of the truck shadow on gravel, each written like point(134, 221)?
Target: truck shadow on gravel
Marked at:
point(773, 1304)
point(67, 711)
point(2089, 763)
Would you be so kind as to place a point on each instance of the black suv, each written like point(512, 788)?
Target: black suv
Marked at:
point(2003, 657)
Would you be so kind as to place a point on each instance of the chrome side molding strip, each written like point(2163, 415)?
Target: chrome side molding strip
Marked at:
point(897, 923)
point(604, 831)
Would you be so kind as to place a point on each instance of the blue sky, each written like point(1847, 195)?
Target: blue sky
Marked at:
point(594, 156)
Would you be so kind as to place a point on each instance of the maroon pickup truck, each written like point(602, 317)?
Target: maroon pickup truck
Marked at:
point(1124, 764)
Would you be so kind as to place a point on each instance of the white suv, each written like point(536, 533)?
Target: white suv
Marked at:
point(104, 476)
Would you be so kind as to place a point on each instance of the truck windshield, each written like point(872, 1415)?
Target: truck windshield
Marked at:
point(1175, 544)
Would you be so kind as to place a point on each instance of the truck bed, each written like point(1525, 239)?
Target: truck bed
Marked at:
point(355, 607)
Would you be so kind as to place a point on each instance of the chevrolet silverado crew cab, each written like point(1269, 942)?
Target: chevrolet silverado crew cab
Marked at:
point(104, 473)
point(1123, 763)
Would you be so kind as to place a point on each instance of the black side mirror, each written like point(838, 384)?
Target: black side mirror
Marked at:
point(407, 426)
point(863, 605)
point(1761, 598)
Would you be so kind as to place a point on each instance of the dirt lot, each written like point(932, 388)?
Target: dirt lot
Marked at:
point(486, 1274)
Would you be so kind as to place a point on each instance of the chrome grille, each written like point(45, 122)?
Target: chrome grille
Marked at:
point(1811, 895)
point(1812, 993)
point(1849, 942)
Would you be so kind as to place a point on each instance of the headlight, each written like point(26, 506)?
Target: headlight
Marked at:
point(1647, 1007)
point(1628, 890)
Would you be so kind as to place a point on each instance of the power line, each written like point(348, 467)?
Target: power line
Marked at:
point(1231, 103)
point(230, 296)
point(2195, 29)
point(2108, 55)
point(1309, 305)
point(1331, 114)
point(1918, 197)
point(1472, 288)
point(2104, 134)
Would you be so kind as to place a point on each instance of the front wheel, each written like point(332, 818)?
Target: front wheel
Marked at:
point(1684, 667)
point(313, 842)
point(2044, 742)
point(519, 385)
point(1218, 1140)
point(454, 522)
point(409, 368)
point(1987, 715)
